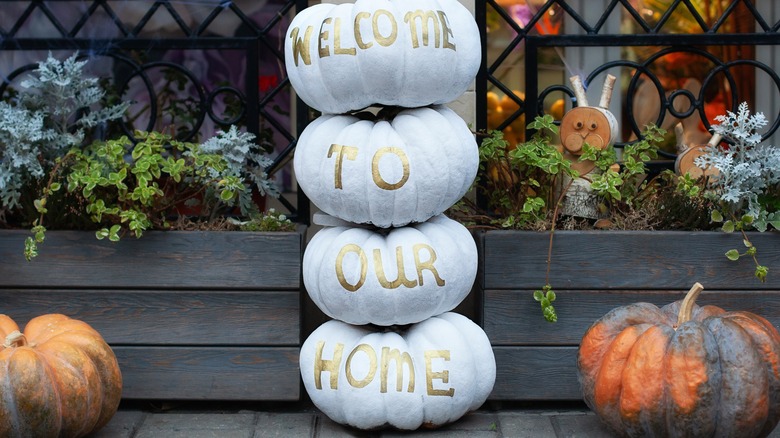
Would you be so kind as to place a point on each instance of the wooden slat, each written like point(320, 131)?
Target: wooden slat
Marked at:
point(170, 259)
point(169, 317)
point(512, 317)
point(209, 373)
point(624, 260)
point(536, 373)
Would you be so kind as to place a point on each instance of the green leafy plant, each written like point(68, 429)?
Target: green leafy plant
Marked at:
point(129, 195)
point(525, 184)
point(621, 184)
point(746, 188)
point(519, 180)
point(54, 171)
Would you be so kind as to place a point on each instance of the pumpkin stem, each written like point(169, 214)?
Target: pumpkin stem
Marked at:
point(15, 339)
point(686, 308)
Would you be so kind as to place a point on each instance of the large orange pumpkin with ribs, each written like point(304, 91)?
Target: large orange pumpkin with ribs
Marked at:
point(682, 370)
point(57, 379)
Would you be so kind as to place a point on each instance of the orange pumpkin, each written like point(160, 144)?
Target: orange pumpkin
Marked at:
point(682, 370)
point(57, 379)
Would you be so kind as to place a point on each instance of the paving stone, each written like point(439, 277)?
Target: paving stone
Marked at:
point(122, 425)
point(193, 433)
point(576, 426)
point(522, 425)
point(285, 425)
point(197, 425)
point(327, 428)
point(475, 424)
point(198, 420)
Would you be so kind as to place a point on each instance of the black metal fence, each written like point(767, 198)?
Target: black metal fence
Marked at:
point(209, 63)
point(198, 65)
point(721, 52)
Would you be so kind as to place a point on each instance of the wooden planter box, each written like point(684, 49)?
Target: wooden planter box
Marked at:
point(190, 315)
point(593, 272)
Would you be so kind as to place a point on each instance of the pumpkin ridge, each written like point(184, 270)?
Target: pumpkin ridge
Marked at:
point(7, 400)
point(692, 381)
point(767, 343)
point(87, 413)
point(608, 382)
point(744, 407)
point(34, 405)
point(600, 334)
point(641, 399)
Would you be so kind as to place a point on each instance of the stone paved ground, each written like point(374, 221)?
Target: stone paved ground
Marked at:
point(308, 422)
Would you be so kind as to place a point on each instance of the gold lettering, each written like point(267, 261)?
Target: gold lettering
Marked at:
point(358, 37)
point(340, 266)
point(300, 47)
point(400, 360)
point(348, 152)
point(380, 270)
point(425, 17)
point(337, 49)
point(426, 265)
point(331, 366)
point(446, 31)
point(381, 39)
point(324, 35)
point(378, 180)
point(365, 348)
point(444, 376)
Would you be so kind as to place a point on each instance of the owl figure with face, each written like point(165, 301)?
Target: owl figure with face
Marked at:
point(592, 125)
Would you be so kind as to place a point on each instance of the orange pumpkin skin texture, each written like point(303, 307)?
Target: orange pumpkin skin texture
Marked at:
point(715, 374)
point(60, 379)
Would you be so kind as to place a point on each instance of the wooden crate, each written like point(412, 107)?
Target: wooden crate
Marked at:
point(190, 315)
point(593, 272)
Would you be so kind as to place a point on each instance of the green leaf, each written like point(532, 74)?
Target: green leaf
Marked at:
point(226, 195)
point(538, 295)
point(30, 249)
point(550, 296)
point(549, 314)
point(113, 233)
point(728, 227)
point(55, 186)
point(761, 272)
point(732, 254)
point(716, 216)
point(40, 205)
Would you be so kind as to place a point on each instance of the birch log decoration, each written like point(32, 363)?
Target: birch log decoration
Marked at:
point(687, 155)
point(595, 126)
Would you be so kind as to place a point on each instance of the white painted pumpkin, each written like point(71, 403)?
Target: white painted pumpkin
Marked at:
point(430, 374)
point(397, 276)
point(408, 53)
point(387, 172)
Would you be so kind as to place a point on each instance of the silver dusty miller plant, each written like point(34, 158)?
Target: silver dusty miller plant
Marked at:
point(243, 161)
point(747, 187)
point(52, 114)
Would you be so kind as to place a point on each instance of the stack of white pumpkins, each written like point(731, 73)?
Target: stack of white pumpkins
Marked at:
point(393, 266)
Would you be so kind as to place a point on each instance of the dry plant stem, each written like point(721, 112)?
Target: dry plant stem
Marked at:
point(686, 308)
point(552, 230)
point(52, 174)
